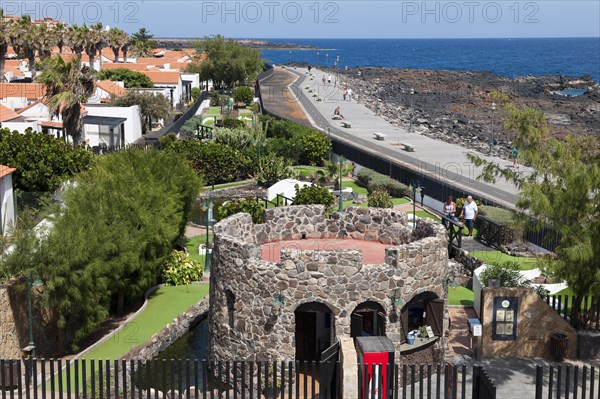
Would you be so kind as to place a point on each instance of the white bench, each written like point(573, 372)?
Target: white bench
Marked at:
point(379, 136)
point(346, 124)
point(408, 147)
point(336, 117)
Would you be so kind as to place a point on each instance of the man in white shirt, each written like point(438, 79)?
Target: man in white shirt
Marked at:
point(469, 213)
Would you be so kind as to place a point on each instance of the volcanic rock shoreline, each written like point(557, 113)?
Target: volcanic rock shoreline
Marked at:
point(456, 106)
point(251, 43)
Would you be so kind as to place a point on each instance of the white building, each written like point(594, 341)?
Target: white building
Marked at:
point(7, 200)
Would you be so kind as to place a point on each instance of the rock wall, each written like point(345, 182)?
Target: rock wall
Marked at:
point(247, 329)
point(536, 322)
point(10, 347)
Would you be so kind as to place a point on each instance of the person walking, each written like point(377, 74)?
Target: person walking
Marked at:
point(345, 93)
point(349, 94)
point(469, 214)
point(328, 78)
point(514, 153)
point(449, 210)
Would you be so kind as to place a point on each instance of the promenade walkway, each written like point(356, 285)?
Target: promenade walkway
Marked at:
point(443, 161)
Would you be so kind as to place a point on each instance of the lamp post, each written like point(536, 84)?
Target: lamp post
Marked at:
point(416, 188)
point(329, 138)
point(290, 62)
point(341, 204)
point(30, 284)
point(492, 132)
point(411, 92)
point(208, 208)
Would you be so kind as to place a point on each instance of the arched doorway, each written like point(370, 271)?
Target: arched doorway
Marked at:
point(424, 309)
point(315, 330)
point(367, 319)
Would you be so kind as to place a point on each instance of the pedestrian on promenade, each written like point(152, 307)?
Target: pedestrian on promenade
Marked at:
point(338, 112)
point(323, 79)
point(345, 93)
point(328, 78)
point(449, 210)
point(469, 214)
point(514, 153)
point(349, 94)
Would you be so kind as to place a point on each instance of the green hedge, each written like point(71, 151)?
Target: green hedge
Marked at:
point(512, 229)
point(374, 181)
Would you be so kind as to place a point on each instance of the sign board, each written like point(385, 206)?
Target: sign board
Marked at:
point(430, 333)
point(477, 330)
point(504, 324)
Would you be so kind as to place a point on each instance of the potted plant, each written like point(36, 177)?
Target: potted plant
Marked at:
point(272, 386)
point(423, 333)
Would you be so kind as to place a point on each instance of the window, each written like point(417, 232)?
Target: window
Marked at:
point(425, 309)
point(230, 307)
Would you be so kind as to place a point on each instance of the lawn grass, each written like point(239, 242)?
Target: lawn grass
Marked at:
point(193, 245)
point(399, 201)
point(460, 296)
point(360, 190)
point(425, 214)
point(498, 258)
point(306, 170)
point(164, 305)
point(229, 185)
point(214, 110)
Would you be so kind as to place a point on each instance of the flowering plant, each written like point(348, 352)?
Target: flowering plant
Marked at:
point(179, 269)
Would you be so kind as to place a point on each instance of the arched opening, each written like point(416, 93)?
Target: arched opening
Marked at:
point(425, 309)
point(315, 330)
point(367, 319)
point(230, 298)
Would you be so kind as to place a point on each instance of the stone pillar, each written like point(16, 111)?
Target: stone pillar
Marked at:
point(9, 335)
point(349, 368)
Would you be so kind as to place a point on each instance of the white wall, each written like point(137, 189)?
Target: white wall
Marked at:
point(133, 124)
point(22, 126)
point(193, 77)
point(15, 102)
point(7, 201)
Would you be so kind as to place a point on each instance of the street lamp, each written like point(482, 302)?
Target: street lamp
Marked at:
point(341, 204)
point(208, 209)
point(492, 132)
point(30, 284)
point(416, 188)
point(329, 138)
point(411, 92)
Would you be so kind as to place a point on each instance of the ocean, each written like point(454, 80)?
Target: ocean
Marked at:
point(505, 57)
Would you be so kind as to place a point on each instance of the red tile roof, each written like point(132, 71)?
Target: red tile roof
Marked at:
point(163, 77)
point(55, 125)
point(6, 170)
point(111, 88)
point(126, 65)
point(31, 91)
point(7, 114)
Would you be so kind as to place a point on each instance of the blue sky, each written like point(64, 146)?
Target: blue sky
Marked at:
point(330, 19)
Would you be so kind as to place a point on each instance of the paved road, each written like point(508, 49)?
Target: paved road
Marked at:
point(441, 160)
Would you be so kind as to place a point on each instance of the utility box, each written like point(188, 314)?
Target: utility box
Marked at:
point(376, 357)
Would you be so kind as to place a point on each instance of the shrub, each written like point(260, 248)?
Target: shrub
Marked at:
point(130, 79)
point(215, 98)
point(272, 168)
point(180, 269)
point(243, 94)
point(247, 205)
point(233, 123)
point(380, 199)
point(509, 276)
point(512, 230)
point(188, 130)
point(217, 163)
point(238, 139)
point(310, 195)
point(195, 93)
point(374, 181)
point(315, 148)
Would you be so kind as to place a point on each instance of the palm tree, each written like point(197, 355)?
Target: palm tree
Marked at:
point(117, 39)
point(76, 37)
point(95, 39)
point(60, 30)
point(47, 40)
point(25, 39)
point(4, 42)
point(68, 85)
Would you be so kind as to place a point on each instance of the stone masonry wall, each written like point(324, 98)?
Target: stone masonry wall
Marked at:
point(9, 335)
point(536, 322)
point(415, 262)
